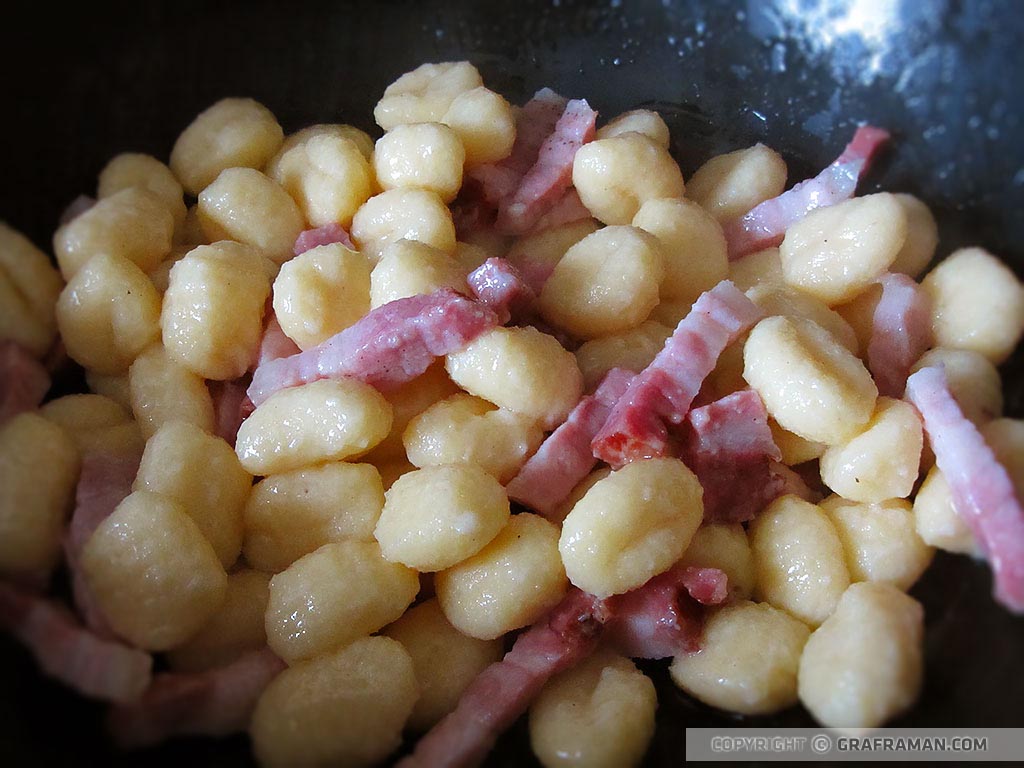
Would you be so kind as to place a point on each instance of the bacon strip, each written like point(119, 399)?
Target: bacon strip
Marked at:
point(105, 480)
point(228, 407)
point(217, 702)
point(567, 210)
point(765, 225)
point(275, 343)
point(664, 617)
point(499, 285)
point(729, 447)
point(901, 332)
point(535, 122)
point(565, 458)
point(24, 381)
point(663, 392)
point(325, 235)
point(386, 347)
point(67, 652)
point(551, 175)
point(982, 490)
point(504, 691)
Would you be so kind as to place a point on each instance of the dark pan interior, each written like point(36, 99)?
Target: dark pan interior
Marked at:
point(82, 83)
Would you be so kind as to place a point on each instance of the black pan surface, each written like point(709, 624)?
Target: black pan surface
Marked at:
point(84, 82)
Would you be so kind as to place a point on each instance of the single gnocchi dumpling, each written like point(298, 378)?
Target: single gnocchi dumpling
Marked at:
point(632, 525)
point(422, 155)
point(810, 383)
point(880, 541)
point(242, 204)
point(798, 559)
point(425, 94)
point(410, 268)
point(644, 121)
point(864, 665)
point(114, 385)
point(95, 424)
point(759, 268)
point(108, 313)
point(233, 133)
point(436, 517)
point(133, 224)
point(882, 461)
point(29, 288)
point(202, 473)
point(154, 575)
point(133, 169)
point(327, 173)
point(463, 429)
point(936, 519)
point(794, 449)
point(782, 300)
point(606, 283)
point(291, 514)
point(485, 124)
point(617, 175)
point(347, 707)
point(922, 237)
point(320, 293)
point(599, 714)
point(522, 370)
point(326, 420)
point(729, 185)
point(39, 465)
point(163, 390)
point(513, 581)
point(836, 252)
point(412, 214)
point(977, 304)
point(212, 319)
point(748, 659)
point(724, 546)
point(446, 661)
point(692, 244)
point(236, 628)
point(362, 140)
point(333, 596)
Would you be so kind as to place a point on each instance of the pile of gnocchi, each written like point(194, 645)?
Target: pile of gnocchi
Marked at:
point(325, 489)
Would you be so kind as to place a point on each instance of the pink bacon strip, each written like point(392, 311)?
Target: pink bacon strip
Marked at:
point(664, 617)
point(24, 381)
point(104, 482)
point(765, 225)
point(499, 285)
point(565, 457)
point(982, 490)
point(217, 702)
point(228, 407)
point(67, 652)
point(729, 447)
point(325, 235)
point(567, 210)
point(901, 332)
point(387, 347)
point(535, 122)
point(663, 392)
point(504, 691)
point(547, 181)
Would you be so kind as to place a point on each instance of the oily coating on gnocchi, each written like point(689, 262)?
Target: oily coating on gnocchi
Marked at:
point(447, 537)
